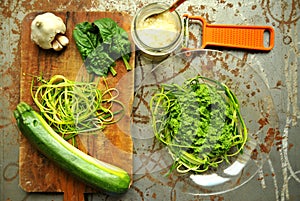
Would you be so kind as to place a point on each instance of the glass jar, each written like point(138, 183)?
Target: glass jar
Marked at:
point(157, 36)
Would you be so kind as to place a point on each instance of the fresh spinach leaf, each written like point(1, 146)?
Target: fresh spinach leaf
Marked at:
point(107, 28)
point(100, 44)
point(99, 58)
point(87, 38)
point(115, 38)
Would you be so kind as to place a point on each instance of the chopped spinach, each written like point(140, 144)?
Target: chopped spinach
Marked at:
point(199, 122)
point(100, 44)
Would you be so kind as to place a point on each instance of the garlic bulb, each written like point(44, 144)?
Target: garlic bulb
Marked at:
point(47, 31)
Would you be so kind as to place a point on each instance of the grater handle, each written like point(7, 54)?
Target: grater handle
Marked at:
point(235, 36)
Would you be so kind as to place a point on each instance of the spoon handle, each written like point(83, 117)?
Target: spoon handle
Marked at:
point(176, 4)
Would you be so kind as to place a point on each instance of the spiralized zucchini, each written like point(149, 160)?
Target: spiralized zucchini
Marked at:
point(73, 107)
point(199, 122)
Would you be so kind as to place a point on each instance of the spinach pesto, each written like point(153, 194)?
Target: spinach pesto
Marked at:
point(100, 44)
point(199, 122)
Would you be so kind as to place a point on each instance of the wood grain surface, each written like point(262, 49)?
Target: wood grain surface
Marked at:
point(114, 145)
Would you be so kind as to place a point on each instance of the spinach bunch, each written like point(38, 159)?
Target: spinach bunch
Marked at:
point(100, 44)
point(199, 122)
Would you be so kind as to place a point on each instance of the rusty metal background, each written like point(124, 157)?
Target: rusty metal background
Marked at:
point(278, 180)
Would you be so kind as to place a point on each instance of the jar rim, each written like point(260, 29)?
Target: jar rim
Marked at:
point(161, 50)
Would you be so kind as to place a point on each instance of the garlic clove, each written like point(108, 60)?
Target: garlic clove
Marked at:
point(56, 45)
point(63, 40)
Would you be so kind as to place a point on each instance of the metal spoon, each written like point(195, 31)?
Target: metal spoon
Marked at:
point(170, 9)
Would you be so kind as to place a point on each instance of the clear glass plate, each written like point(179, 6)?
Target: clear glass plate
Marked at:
point(151, 157)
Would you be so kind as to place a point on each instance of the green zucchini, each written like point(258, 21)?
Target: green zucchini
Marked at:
point(96, 173)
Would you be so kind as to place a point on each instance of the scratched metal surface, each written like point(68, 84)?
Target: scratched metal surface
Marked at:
point(278, 180)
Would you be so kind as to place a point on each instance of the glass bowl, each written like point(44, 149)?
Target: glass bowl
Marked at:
point(152, 157)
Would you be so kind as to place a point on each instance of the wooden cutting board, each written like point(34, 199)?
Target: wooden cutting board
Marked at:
point(114, 145)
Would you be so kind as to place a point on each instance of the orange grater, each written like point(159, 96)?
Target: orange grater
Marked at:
point(233, 36)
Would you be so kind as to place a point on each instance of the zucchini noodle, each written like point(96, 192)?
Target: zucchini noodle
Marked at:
point(73, 108)
point(199, 122)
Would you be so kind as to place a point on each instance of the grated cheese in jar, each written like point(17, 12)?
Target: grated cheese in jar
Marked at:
point(158, 31)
